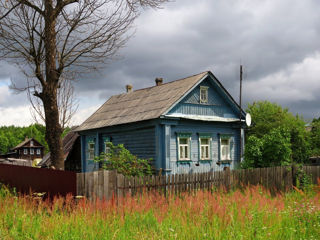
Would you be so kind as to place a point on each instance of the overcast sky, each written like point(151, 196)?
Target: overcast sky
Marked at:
point(276, 41)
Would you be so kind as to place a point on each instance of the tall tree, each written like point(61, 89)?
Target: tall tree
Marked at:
point(315, 137)
point(48, 39)
point(267, 138)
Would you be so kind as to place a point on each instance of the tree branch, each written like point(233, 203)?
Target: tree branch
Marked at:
point(27, 3)
point(10, 10)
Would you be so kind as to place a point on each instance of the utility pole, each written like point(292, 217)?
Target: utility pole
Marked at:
point(240, 111)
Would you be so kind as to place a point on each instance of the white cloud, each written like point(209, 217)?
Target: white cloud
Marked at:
point(82, 115)
point(21, 116)
point(18, 116)
point(298, 82)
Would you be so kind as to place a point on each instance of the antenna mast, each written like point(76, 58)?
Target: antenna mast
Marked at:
point(240, 111)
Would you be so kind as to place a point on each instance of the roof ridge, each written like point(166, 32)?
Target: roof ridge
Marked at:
point(140, 89)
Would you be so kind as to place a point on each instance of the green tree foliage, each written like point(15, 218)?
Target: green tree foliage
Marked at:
point(277, 147)
point(278, 135)
point(120, 159)
point(11, 136)
point(272, 149)
point(4, 143)
point(315, 137)
point(253, 156)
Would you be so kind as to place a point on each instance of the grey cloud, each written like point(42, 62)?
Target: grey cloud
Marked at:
point(221, 34)
point(188, 37)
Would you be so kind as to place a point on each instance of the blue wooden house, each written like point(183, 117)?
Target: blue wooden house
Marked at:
point(188, 125)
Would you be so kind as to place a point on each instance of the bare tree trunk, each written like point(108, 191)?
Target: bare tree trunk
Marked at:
point(49, 94)
point(48, 37)
point(53, 128)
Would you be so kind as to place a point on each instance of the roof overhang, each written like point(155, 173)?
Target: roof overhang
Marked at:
point(203, 118)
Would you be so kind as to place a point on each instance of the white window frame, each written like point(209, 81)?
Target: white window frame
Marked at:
point(106, 147)
point(186, 147)
point(25, 151)
point(91, 149)
point(31, 151)
point(205, 99)
point(38, 151)
point(31, 143)
point(227, 146)
point(203, 146)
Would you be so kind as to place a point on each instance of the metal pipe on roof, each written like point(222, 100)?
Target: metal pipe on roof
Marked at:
point(129, 88)
point(159, 81)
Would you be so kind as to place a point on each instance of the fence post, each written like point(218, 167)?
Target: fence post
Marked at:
point(227, 178)
point(80, 184)
point(112, 184)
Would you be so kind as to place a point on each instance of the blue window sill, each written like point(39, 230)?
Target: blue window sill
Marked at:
point(205, 160)
point(184, 161)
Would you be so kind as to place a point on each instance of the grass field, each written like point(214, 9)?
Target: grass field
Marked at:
point(242, 214)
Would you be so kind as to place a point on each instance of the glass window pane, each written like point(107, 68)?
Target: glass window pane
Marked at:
point(224, 142)
point(183, 141)
point(204, 141)
point(106, 148)
point(186, 151)
point(181, 152)
point(203, 95)
point(202, 152)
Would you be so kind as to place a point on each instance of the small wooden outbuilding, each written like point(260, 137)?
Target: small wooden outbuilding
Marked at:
point(29, 149)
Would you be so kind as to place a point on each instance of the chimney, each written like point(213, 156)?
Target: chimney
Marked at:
point(129, 88)
point(159, 81)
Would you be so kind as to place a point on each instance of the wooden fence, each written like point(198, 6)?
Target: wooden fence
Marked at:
point(29, 179)
point(105, 184)
point(108, 184)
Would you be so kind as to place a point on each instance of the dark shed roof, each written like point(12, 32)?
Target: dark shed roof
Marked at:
point(67, 143)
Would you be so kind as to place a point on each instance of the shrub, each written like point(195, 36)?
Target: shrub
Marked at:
point(273, 149)
point(119, 158)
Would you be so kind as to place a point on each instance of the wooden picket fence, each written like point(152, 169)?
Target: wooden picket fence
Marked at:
point(108, 184)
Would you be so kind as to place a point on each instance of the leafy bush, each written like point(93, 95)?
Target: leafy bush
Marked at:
point(315, 137)
point(277, 135)
point(273, 149)
point(303, 180)
point(119, 158)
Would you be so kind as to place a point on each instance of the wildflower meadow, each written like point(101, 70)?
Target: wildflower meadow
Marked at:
point(249, 213)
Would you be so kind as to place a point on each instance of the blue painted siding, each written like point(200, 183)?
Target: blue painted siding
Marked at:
point(216, 106)
point(140, 142)
point(214, 129)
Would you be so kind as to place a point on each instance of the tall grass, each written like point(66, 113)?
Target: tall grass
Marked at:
point(251, 213)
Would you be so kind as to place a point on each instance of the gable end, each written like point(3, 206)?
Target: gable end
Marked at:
point(215, 103)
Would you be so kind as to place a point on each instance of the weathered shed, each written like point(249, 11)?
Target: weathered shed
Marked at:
point(188, 125)
point(71, 152)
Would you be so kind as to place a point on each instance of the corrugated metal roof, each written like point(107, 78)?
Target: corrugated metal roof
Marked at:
point(139, 105)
